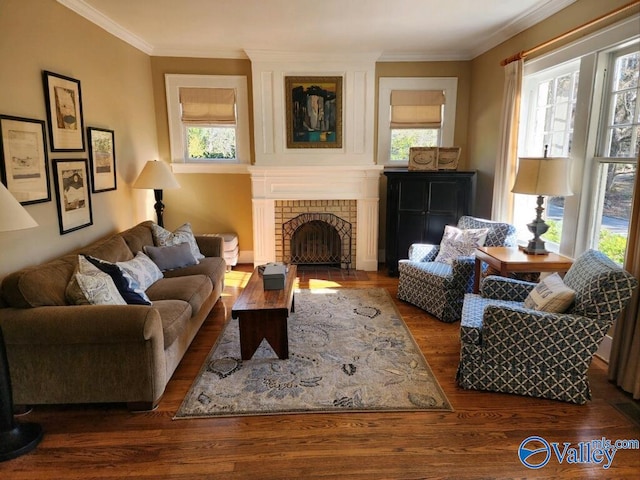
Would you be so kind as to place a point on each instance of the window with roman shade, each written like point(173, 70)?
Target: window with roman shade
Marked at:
point(416, 108)
point(208, 106)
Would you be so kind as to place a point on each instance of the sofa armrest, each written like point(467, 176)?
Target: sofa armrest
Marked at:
point(210, 245)
point(502, 288)
point(423, 252)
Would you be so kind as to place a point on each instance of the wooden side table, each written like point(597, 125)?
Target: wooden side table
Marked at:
point(511, 259)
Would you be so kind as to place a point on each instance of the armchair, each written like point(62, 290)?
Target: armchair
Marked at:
point(437, 287)
point(507, 347)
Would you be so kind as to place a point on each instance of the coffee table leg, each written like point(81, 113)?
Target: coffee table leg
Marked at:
point(256, 327)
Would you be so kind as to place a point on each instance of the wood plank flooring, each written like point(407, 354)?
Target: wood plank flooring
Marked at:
point(479, 440)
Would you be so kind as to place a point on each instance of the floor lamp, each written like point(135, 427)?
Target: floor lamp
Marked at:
point(157, 176)
point(15, 438)
point(544, 176)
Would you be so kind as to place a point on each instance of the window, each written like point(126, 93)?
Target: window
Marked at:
point(582, 101)
point(208, 119)
point(414, 112)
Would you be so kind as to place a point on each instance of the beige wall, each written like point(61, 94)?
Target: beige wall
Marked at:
point(213, 203)
point(38, 35)
point(488, 83)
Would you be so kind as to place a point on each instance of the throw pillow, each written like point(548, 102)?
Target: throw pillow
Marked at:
point(459, 243)
point(550, 295)
point(128, 287)
point(142, 269)
point(170, 258)
point(91, 286)
point(182, 234)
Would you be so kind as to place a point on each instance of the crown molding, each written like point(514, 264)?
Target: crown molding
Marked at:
point(312, 57)
point(528, 19)
point(94, 16)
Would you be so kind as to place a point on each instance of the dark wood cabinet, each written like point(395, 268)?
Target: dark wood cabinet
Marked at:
point(420, 204)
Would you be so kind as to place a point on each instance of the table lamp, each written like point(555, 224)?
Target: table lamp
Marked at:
point(545, 176)
point(157, 176)
point(15, 438)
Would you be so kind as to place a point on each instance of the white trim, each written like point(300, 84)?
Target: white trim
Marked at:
point(173, 82)
point(387, 84)
point(96, 17)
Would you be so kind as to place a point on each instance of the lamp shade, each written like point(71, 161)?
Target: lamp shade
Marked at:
point(543, 176)
point(13, 216)
point(156, 175)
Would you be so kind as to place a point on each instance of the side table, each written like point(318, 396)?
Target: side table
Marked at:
point(511, 259)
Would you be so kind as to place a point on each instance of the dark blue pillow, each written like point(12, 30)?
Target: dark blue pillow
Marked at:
point(128, 294)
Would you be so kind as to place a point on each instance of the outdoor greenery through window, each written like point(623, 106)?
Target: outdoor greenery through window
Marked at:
point(405, 138)
point(211, 142)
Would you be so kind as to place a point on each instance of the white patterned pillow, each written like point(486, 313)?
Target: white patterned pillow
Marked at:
point(550, 295)
point(164, 238)
point(460, 243)
point(142, 269)
point(91, 286)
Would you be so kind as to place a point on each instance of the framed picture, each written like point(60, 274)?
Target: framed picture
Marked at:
point(314, 112)
point(24, 167)
point(72, 191)
point(448, 158)
point(64, 109)
point(102, 159)
point(423, 158)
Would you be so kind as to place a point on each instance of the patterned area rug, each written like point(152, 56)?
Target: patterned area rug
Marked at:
point(349, 350)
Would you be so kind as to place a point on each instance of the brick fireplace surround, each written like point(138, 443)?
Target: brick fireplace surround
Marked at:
point(281, 193)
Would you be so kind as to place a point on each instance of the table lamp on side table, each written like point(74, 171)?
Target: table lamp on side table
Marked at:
point(542, 177)
point(15, 438)
point(157, 176)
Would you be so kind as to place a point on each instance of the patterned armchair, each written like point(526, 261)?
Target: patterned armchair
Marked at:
point(439, 288)
point(506, 347)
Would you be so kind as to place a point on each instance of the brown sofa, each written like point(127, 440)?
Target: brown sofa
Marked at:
point(60, 353)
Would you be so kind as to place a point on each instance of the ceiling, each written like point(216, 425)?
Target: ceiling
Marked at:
point(396, 29)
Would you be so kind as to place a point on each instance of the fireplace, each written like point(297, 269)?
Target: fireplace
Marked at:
point(345, 197)
point(317, 239)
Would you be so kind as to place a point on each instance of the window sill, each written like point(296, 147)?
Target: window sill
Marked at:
point(210, 168)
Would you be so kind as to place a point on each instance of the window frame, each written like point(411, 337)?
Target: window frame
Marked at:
point(177, 129)
point(386, 84)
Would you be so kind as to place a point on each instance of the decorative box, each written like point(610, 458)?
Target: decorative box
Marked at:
point(274, 276)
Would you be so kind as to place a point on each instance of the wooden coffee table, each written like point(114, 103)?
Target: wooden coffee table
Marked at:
point(262, 314)
point(512, 259)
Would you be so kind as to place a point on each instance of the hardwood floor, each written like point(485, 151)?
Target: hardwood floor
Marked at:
point(480, 439)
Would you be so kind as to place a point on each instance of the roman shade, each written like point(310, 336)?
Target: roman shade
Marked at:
point(208, 106)
point(416, 108)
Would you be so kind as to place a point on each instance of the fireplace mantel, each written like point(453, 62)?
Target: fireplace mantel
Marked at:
point(273, 183)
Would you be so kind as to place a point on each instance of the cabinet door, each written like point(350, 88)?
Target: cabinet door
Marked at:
point(445, 204)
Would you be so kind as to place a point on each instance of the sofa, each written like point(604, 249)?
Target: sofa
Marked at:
point(60, 352)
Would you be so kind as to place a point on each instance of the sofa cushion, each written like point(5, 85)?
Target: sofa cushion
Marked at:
point(183, 234)
point(128, 286)
point(91, 286)
point(170, 258)
point(114, 249)
point(174, 314)
point(142, 269)
point(139, 236)
point(194, 289)
point(40, 285)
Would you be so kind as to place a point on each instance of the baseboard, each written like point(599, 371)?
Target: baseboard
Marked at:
point(604, 351)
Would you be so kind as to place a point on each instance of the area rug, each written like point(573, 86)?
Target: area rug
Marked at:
point(349, 351)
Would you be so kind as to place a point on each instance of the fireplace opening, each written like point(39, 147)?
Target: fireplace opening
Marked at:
point(317, 239)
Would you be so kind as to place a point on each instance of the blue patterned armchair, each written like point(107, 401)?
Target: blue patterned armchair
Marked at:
point(506, 347)
point(439, 288)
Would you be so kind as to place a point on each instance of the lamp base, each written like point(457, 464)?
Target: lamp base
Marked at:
point(21, 439)
point(538, 227)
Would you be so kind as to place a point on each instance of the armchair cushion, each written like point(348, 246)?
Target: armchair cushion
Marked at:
point(550, 295)
point(457, 242)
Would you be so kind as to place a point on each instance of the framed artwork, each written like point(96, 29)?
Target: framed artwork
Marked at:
point(448, 158)
point(24, 167)
point(313, 112)
point(64, 109)
point(423, 158)
point(102, 159)
point(71, 179)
